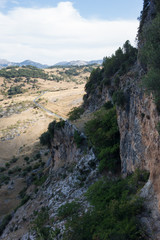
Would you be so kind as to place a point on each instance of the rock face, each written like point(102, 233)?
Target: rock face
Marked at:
point(67, 181)
point(139, 138)
point(64, 149)
point(137, 121)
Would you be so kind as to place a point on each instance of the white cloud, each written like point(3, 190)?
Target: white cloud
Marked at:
point(55, 34)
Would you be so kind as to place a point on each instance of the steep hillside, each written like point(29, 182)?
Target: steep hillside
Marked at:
point(103, 183)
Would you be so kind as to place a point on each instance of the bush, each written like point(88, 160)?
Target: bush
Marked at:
point(4, 223)
point(39, 181)
point(115, 206)
point(14, 159)
point(75, 113)
point(2, 169)
point(68, 209)
point(78, 139)
point(4, 179)
point(103, 133)
point(24, 200)
point(95, 78)
point(15, 90)
point(22, 193)
point(108, 105)
point(41, 226)
point(26, 158)
point(7, 165)
point(45, 138)
point(119, 98)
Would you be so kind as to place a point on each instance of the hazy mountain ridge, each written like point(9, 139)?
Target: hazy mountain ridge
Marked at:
point(78, 63)
point(6, 63)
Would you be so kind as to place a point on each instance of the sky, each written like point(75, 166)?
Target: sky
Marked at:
point(50, 31)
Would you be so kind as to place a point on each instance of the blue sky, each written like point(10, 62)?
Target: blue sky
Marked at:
point(49, 31)
point(104, 9)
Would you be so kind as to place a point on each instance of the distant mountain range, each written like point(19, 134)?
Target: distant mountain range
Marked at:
point(6, 63)
point(78, 63)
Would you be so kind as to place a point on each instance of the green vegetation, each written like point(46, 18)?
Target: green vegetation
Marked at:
point(150, 58)
point(119, 98)
point(25, 71)
point(14, 170)
point(103, 133)
point(78, 138)
point(75, 113)
point(94, 79)
point(15, 90)
point(114, 212)
point(72, 71)
point(113, 67)
point(41, 226)
point(4, 179)
point(68, 209)
point(108, 105)
point(39, 181)
point(45, 138)
point(121, 61)
point(2, 169)
point(4, 223)
point(143, 15)
point(24, 200)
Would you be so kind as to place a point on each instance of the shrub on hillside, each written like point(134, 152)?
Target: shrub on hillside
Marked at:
point(45, 138)
point(115, 207)
point(68, 209)
point(4, 223)
point(78, 138)
point(75, 113)
point(119, 98)
point(103, 133)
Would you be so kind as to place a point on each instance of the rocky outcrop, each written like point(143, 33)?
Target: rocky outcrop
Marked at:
point(137, 122)
point(140, 141)
point(139, 138)
point(63, 147)
point(67, 181)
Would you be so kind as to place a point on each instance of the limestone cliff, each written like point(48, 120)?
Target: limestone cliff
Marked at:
point(67, 181)
point(63, 147)
point(139, 138)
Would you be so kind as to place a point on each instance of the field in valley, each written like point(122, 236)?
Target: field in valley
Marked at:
point(22, 122)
